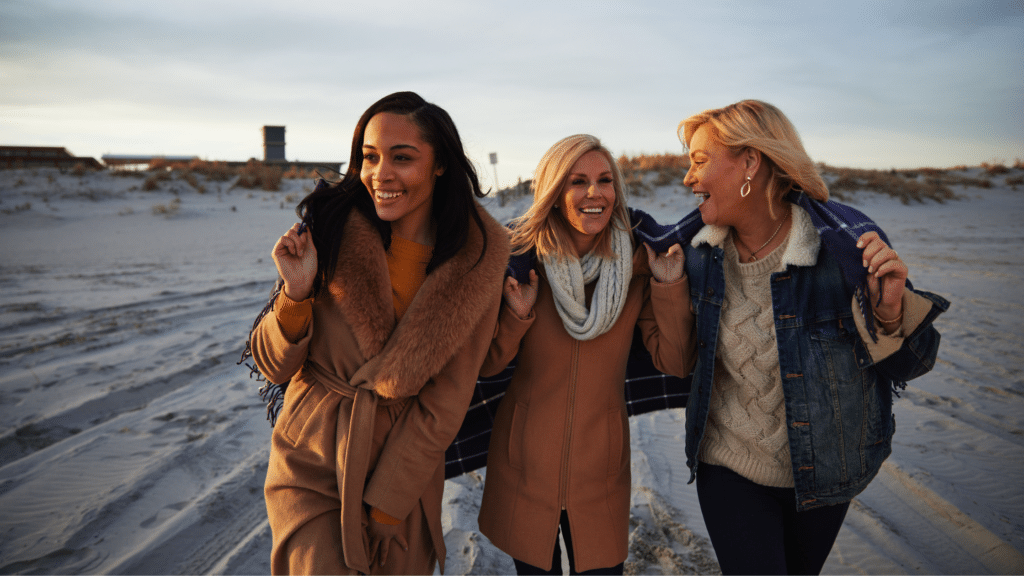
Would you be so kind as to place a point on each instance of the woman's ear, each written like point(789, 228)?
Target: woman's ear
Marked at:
point(752, 160)
point(439, 171)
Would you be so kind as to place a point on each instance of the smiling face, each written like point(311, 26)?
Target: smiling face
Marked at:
point(587, 200)
point(399, 172)
point(716, 175)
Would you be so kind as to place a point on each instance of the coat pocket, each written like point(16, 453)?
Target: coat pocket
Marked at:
point(296, 411)
point(617, 441)
point(515, 437)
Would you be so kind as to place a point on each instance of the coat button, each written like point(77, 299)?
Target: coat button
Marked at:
point(710, 292)
point(703, 344)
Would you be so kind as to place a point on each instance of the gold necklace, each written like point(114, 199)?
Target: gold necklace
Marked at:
point(753, 253)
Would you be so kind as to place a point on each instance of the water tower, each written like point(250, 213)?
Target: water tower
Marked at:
point(273, 144)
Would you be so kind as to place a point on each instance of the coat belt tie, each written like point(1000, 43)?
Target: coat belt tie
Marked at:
point(353, 457)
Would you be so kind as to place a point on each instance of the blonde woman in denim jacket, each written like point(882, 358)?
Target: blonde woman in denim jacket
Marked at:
point(806, 323)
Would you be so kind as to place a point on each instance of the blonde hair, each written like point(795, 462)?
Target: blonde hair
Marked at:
point(547, 230)
point(763, 127)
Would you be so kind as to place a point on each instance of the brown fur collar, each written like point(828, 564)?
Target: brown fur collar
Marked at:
point(452, 301)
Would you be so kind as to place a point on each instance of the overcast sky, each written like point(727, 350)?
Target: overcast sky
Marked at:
point(867, 84)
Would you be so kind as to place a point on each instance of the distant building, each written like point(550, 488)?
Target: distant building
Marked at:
point(43, 156)
point(141, 160)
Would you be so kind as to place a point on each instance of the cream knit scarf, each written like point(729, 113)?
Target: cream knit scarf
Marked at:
point(568, 276)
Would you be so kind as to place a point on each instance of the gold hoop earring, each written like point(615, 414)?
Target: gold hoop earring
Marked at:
point(746, 186)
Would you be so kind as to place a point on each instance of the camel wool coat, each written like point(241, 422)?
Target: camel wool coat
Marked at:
point(372, 405)
point(561, 434)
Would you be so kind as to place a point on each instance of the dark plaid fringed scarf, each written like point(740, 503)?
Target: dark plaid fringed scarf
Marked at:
point(647, 390)
point(838, 225)
point(271, 393)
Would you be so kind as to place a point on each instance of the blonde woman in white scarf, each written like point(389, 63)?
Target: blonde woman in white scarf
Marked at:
point(559, 450)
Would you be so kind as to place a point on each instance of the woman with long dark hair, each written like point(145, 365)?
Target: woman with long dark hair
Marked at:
point(391, 290)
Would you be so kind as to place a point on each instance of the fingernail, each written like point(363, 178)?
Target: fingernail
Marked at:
point(860, 244)
point(871, 269)
point(864, 263)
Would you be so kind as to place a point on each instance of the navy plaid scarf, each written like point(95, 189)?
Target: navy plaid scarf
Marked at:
point(838, 225)
point(647, 390)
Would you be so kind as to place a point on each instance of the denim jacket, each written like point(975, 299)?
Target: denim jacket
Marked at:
point(838, 401)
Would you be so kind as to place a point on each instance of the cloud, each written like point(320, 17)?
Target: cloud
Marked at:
point(202, 77)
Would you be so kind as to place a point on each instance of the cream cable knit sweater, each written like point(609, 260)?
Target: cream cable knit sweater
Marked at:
point(746, 428)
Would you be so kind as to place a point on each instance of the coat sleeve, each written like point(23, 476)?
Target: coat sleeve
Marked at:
point(668, 327)
point(918, 351)
point(505, 341)
point(418, 440)
point(281, 341)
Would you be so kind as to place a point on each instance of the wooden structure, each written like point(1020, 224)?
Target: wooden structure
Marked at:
point(43, 156)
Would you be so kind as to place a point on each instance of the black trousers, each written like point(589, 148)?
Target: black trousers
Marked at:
point(756, 529)
point(556, 559)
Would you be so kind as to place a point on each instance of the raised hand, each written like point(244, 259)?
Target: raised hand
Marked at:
point(521, 297)
point(296, 261)
point(887, 276)
point(667, 266)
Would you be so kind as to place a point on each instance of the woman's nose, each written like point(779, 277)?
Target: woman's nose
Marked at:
point(688, 180)
point(382, 172)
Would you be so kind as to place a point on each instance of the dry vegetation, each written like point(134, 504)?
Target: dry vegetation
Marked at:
point(254, 174)
point(259, 175)
point(167, 210)
point(906, 185)
point(644, 173)
point(80, 169)
point(917, 184)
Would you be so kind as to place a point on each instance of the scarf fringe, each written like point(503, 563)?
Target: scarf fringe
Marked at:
point(272, 394)
point(861, 294)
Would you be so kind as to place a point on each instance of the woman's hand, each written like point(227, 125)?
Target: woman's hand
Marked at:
point(667, 266)
point(887, 276)
point(296, 261)
point(382, 532)
point(521, 297)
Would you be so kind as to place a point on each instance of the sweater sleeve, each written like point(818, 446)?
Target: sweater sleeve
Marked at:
point(915, 307)
point(668, 327)
point(281, 341)
point(427, 426)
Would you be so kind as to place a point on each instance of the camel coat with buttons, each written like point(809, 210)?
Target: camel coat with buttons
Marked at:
point(561, 435)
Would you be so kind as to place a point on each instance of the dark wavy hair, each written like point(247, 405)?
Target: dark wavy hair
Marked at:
point(326, 209)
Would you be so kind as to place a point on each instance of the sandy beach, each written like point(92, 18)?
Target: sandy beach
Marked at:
point(132, 443)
